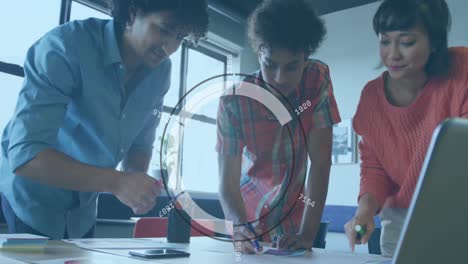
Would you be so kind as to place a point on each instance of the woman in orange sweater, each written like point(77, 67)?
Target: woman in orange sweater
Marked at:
point(425, 83)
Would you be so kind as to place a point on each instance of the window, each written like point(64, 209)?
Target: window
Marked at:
point(201, 67)
point(172, 97)
point(199, 166)
point(24, 22)
point(197, 157)
point(80, 11)
point(199, 163)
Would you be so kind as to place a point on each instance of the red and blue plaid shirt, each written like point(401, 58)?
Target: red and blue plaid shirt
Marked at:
point(275, 159)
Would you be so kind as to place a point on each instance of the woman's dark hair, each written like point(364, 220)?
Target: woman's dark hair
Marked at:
point(290, 24)
point(191, 15)
point(433, 15)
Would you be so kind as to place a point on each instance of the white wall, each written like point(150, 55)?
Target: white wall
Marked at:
point(351, 51)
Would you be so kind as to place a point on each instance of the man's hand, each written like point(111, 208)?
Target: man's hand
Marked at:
point(137, 190)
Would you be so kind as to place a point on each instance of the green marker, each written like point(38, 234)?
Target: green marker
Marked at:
point(360, 230)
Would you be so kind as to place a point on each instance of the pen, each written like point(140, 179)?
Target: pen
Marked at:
point(255, 242)
point(360, 231)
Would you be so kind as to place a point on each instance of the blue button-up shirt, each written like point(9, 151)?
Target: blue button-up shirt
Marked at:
point(73, 100)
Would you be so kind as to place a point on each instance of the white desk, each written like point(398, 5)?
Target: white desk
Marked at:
point(202, 250)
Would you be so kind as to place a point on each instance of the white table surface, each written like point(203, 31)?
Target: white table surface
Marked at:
point(202, 250)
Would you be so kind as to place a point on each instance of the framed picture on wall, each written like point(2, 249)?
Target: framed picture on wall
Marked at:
point(344, 149)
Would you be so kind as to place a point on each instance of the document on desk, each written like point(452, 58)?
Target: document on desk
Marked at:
point(116, 243)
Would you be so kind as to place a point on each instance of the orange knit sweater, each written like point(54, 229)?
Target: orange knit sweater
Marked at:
point(395, 139)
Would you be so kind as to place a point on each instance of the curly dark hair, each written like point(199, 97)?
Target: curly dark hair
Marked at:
point(434, 15)
point(192, 15)
point(290, 24)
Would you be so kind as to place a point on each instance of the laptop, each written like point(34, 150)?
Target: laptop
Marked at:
point(436, 227)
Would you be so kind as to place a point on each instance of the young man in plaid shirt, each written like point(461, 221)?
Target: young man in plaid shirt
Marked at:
point(263, 164)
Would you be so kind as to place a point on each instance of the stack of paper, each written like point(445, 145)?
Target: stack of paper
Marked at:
point(22, 242)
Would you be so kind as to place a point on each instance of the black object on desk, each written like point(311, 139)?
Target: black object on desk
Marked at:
point(159, 253)
point(178, 227)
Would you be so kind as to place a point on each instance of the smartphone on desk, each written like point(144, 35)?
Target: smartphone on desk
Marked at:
point(159, 253)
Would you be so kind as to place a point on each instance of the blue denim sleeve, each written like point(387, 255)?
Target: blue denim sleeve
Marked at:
point(42, 102)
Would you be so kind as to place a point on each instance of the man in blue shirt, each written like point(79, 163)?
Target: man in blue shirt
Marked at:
point(86, 104)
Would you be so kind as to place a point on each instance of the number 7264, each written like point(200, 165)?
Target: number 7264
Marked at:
point(306, 200)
